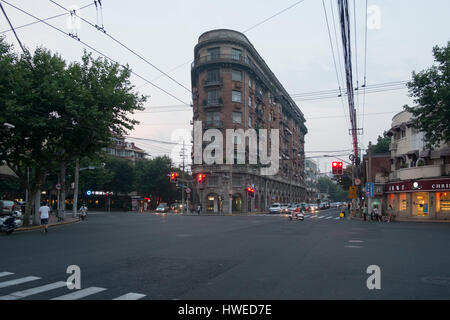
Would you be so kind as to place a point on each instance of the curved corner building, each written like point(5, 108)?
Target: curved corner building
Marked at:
point(233, 88)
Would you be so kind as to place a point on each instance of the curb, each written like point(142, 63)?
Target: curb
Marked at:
point(40, 227)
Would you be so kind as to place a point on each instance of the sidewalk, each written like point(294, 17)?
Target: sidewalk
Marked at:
point(52, 221)
point(397, 219)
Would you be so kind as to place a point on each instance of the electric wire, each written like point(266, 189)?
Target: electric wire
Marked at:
point(95, 50)
point(124, 46)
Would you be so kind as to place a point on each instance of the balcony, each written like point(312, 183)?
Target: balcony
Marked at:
point(212, 83)
point(431, 171)
point(212, 103)
point(240, 59)
point(393, 146)
point(213, 124)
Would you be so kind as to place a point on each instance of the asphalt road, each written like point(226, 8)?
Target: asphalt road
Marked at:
point(228, 257)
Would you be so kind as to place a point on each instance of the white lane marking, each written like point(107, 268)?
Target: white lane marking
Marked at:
point(353, 247)
point(29, 292)
point(321, 217)
point(328, 218)
point(17, 281)
point(80, 293)
point(3, 274)
point(356, 241)
point(130, 296)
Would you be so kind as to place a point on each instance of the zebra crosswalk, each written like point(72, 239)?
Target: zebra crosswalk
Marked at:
point(49, 289)
point(319, 217)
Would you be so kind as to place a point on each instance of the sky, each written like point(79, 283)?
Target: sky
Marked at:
point(294, 44)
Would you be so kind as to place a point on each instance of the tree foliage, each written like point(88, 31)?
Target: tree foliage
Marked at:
point(326, 185)
point(60, 111)
point(431, 91)
point(382, 145)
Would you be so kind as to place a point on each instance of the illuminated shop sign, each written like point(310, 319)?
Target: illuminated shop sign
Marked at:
point(418, 185)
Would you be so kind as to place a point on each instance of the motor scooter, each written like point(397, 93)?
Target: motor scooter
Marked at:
point(297, 216)
point(7, 224)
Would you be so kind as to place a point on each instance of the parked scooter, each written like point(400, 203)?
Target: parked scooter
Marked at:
point(10, 222)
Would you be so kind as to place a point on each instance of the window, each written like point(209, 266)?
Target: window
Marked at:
point(236, 96)
point(249, 101)
point(213, 53)
point(250, 82)
point(236, 75)
point(213, 97)
point(250, 122)
point(212, 117)
point(403, 133)
point(213, 75)
point(237, 117)
point(236, 54)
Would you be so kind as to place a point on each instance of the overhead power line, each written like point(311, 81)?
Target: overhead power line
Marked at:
point(95, 50)
point(271, 17)
point(123, 45)
point(46, 19)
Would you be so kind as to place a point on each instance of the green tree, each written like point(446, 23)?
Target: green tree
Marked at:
point(59, 112)
point(122, 175)
point(152, 179)
point(431, 91)
point(382, 145)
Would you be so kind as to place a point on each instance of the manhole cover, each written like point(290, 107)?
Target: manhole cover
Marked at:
point(442, 281)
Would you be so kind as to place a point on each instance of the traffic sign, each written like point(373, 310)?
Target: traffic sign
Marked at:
point(352, 192)
point(357, 181)
point(370, 186)
point(188, 190)
point(58, 186)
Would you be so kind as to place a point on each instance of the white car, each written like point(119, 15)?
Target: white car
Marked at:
point(275, 208)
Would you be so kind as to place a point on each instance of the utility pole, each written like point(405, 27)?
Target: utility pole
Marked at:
point(369, 175)
point(75, 189)
point(182, 154)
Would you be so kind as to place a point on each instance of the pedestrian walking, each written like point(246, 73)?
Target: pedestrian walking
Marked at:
point(377, 213)
point(43, 215)
point(390, 211)
point(365, 212)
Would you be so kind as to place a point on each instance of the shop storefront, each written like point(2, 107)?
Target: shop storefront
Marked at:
point(426, 198)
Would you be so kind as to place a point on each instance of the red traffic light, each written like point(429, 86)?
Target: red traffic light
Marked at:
point(201, 177)
point(335, 163)
point(340, 164)
point(174, 176)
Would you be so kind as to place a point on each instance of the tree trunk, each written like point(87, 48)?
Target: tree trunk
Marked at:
point(75, 190)
point(37, 204)
point(62, 207)
point(28, 206)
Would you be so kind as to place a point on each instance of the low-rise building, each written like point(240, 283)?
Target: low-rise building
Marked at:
point(126, 150)
point(419, 182)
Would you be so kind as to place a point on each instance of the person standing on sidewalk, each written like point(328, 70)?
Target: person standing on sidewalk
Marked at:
point(390, 212)
point(365, 212)
point(43, 214)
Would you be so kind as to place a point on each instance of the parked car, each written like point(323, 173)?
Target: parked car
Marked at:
point(275, 208)
point(163, 207)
